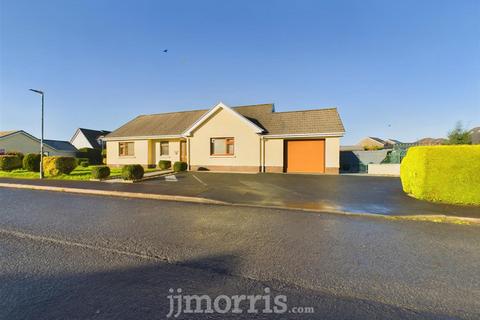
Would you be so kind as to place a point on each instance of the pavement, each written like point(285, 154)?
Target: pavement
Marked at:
point(69, 256)
point(328, 193)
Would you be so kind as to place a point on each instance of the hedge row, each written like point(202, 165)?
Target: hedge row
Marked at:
point(449, 174)
point(31, 162)
point(54, 166)
point(10, 162)
point(93, 156)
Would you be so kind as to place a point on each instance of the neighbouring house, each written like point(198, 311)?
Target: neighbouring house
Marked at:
point(431, 141)
point(21, 141)
point(245, 139)
point(475, 135)
point(88, 138)
point(377, 143)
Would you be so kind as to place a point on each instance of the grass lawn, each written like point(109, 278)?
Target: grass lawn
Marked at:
point(80, 173)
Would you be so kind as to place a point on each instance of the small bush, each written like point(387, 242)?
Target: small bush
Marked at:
point(448, 174)
point(84, 164)
point(15, 153)
point(180, 166)
point(132, 172)
point(164, 164)
point(10, 162)
point(94, 156)
point(80, 160)
point(100, 172)
point(54, 166)
point(31, 162)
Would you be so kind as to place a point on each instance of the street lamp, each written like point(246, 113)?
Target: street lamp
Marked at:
point(41, 139)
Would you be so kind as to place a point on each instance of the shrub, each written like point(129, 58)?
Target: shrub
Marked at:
point(54, 166)
point(448, 174)
point(84, 164)
point(15, 153)
point(179, 166)
point(80, 160)
point(31, 162)
point(94, 156)
point(132, 172)
point(10, 162)
point(100, 172)
point(164, 164)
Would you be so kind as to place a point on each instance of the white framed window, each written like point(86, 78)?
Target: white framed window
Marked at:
point(126, 149)
point(164, 148)
point(222, 146)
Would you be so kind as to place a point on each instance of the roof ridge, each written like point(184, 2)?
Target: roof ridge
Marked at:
point(318, 109)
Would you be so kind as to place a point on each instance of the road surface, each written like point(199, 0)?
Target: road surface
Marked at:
point(88, 257)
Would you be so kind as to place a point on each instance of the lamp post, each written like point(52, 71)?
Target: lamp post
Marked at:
point(41, 139)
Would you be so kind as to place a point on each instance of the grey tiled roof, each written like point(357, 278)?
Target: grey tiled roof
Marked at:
point(263, 115)
point(60, 145)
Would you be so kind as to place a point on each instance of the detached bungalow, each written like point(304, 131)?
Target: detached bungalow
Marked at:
point(245, 139)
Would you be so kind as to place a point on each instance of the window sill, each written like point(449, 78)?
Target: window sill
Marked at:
point(222, 156)
point(128, 157)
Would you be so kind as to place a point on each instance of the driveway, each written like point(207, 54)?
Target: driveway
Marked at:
point(358, 194)
point(362, 194)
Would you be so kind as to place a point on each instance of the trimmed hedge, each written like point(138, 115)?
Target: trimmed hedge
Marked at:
point(164, 164)
point(180, 166)
point(449, 174)
point(10, 162)
point(80, 160)
point(31, 162)
point(84, 164)
point(100, 172)
point(15, 153)
point(94, 156)
point(54, 166)
point(132, 172)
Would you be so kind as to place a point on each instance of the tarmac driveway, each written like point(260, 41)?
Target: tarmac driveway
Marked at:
point(362, 194)
point(330, 193)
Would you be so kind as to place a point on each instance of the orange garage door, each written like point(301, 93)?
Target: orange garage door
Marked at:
point(305, 155)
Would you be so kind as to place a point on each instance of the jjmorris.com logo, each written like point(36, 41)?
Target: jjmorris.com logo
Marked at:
point(192, 303)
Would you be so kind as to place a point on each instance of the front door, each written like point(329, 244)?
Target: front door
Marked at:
point(183, 151)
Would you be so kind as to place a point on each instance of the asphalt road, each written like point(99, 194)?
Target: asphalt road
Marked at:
point(66, 256)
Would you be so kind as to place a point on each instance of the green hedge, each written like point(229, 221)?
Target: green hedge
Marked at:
point(54, 166)
point(180, 166)
point(449, 174)
point(80, 160)
point(31, 162)
point(10, 162)
point(164, 164)
point(100, 172)
point(94, 156)
point(132, 172)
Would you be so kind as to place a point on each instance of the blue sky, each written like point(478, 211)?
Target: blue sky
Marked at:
point(398, 69)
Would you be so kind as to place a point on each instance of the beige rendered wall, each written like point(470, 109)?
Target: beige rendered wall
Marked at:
point(142, 155)
point(22, 143)
point(274, 155)
point(332, 153)
point(173, 150)
point(224, 124)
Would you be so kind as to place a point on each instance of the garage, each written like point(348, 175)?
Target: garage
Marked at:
point(305, 156)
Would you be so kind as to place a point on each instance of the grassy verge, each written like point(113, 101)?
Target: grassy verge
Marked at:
point(437, 219)
point(80, 173)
